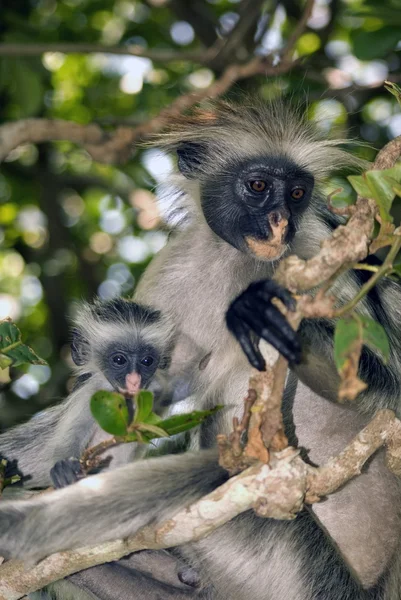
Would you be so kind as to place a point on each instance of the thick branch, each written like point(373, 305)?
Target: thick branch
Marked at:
point(275, 490)
point(340, 469)
point(237, 495)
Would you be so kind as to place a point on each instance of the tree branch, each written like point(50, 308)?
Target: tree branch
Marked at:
point(161, 55)
point(348, 244)
point(275, 490)
point(116, 147)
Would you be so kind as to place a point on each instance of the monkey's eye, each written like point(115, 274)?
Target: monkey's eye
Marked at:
point(297, 193)
point(147, 361)
point(119, 359)
point(257, 185)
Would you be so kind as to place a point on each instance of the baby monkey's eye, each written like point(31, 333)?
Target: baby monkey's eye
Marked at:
point(119, 359)
point(297, 193)
point(147, 361)
point(257, 185)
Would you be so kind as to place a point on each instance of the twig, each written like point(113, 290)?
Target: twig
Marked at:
point(158, 55)
point(90, 457)
point(299, 29)
point(384, 269)
point(231, 450)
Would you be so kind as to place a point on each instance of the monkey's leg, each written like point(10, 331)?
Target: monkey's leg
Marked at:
point(148, 574)
point(107, 506)
point(249, 557)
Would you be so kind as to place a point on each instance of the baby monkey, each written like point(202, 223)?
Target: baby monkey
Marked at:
point(117, 345)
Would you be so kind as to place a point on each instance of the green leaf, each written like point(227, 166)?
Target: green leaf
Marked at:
point(111, 412)
point(353, 331)
point(154, 429)
point(382, 192)
point(375, 337)
point(340, 192)
point(394, 89)
point(153, 419)
point(180, 423)
point(381, 186)
point(5, 361)
point(345, 336)
point(360, 185)
point(369, 45)
point(397, 269)
point(143, 406)
point(12, 350)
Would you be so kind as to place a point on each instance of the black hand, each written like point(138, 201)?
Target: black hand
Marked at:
point(65, 472)
point(253, 311)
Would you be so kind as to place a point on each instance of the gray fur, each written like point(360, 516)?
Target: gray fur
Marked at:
point(65, 430)
point(338, 550)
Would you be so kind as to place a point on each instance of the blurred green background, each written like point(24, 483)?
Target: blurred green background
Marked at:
point(71, 228)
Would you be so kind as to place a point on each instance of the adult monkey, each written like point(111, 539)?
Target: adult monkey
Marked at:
point(250, 192)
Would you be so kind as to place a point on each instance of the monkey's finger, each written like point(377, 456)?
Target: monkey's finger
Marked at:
point(65, 472)
point(274, 290)
point(261, 314)
point(241, 333)
point(279, 322)
point(270, 334)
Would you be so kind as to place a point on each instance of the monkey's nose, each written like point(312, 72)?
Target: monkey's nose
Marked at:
point(278, 221)
point(133, 382)
point(276, 217)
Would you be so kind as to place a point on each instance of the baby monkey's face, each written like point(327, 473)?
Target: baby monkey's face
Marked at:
point(129, 366)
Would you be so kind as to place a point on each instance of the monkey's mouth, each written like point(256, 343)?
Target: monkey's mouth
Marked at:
point(275, 245)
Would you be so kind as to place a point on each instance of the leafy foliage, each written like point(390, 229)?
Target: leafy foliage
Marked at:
point(111, 412)
point(351, 334)
point(12, 350)
point(381, 186)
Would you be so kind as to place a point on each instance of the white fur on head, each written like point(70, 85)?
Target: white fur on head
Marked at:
point(228, 132)
point(140, 324)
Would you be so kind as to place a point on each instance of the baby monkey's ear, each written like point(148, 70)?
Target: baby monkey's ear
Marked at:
point(79, 348)
point(190, 158)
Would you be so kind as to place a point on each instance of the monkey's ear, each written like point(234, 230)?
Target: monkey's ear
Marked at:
point(190, 155)
point(79, 348)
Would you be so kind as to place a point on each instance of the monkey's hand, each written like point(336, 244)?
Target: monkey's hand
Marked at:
point(65, 472)
point(253, 312)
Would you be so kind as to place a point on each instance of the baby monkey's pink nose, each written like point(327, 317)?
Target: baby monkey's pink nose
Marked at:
point(133, 382)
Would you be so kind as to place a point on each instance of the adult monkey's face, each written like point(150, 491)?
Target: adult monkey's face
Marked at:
point(254, 204)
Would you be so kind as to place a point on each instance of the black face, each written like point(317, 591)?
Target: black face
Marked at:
point(120, 360)
point(255, 205)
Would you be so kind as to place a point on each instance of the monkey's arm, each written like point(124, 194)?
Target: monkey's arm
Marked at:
point(29, 448)
point(253, 313)
point(107, 506)
point(59, 432)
